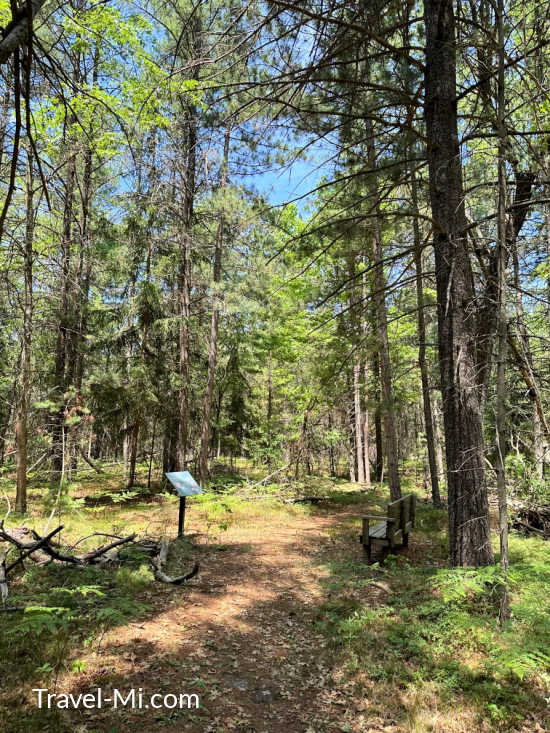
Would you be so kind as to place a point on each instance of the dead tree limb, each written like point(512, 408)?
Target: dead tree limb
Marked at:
point(159, 560)
point(158, 553)
point(90, 462)
point(3, 580)
point(529, 379)
point(90, 557)
point(30, 549)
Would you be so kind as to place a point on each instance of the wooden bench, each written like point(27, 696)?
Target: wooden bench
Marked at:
point(393, 529)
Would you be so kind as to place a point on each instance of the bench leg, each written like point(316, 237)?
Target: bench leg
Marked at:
point(366, 548)
point(406, 540)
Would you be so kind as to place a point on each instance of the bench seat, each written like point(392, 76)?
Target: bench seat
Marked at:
point(378, 531)
point(390, 530)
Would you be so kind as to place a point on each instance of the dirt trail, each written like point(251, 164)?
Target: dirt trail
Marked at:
point(242, 636)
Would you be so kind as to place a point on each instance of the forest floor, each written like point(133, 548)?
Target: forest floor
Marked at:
point(284, 629)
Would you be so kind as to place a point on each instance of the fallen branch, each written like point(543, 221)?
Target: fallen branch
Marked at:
point(159, 560)
point(258, 483)
point(531, 529)
point(38, 462)
point(36, 546)
point(90, 462)
point(3, 581)
point(308, 500)
point(158, 552)
point(6, 569)
point(55, 555)
point(89, 557)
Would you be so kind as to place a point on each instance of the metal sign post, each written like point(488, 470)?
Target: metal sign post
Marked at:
point(181, 519)
point(185, 485)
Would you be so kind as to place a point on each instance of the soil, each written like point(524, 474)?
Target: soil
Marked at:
point(243, 636)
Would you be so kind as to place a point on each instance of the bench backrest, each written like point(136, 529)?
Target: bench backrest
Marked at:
point(403, 511)
point(408, 513)
point(394, 512)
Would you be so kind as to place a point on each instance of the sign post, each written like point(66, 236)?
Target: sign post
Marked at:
point(185, 485)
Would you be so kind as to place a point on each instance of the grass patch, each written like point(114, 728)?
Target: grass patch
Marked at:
point(433, 636)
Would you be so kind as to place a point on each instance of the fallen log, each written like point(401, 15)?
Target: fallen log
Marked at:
point(33, 548)
point(25, 549)
point(17, 537)
point(531, 518)
point(90, 462)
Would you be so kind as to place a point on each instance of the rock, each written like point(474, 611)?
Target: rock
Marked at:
point(381, 585)
point(239, 684)
point(264, 695)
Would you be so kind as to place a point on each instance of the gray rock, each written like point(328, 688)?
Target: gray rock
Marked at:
point(264, 695)
point(239, 684)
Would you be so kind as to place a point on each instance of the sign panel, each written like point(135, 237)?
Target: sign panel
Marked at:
point(184, 483)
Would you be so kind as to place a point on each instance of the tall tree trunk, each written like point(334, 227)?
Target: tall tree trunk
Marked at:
point(356, 370)
point(438, 442)
point(64, 317)
point(366, 436)
point(527, 358)
point(85, 263)
point(359, 460)
point(184, 297)
point(184, 287)
point(132, 451)
point(501, 320)
point(378, 420)
point(351, 428)
point(188, 185)
point(421, 330)
point(332, 464)
point(390, 434)
point(213, 347)
point(469, 531)
point(25, 372)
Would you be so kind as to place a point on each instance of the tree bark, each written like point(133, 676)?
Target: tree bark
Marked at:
point(438, 442)
point(500, 417)
point(359, 460)
point(421, 330)
point(185, 284)
point(366, 426)
point(351, 428)
point(16, 33)
point(469, 531)
point(25, 373)
point(213, 347)
point(132, 450)
point(58, 418)
point(390, 434)
point(378, 420)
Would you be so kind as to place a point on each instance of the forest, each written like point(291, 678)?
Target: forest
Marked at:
point(300, 251)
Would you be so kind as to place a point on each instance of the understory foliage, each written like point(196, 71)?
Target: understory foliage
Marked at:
point(284, 246)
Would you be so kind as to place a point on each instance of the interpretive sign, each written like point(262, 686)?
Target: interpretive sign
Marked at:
point(185, 485)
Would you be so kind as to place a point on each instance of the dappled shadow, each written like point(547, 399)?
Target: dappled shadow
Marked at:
point(247, 636)
point(265, 632)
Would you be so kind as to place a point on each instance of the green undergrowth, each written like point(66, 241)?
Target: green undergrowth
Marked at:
point(433, 633)
point(415, 638)
point(64, 609)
